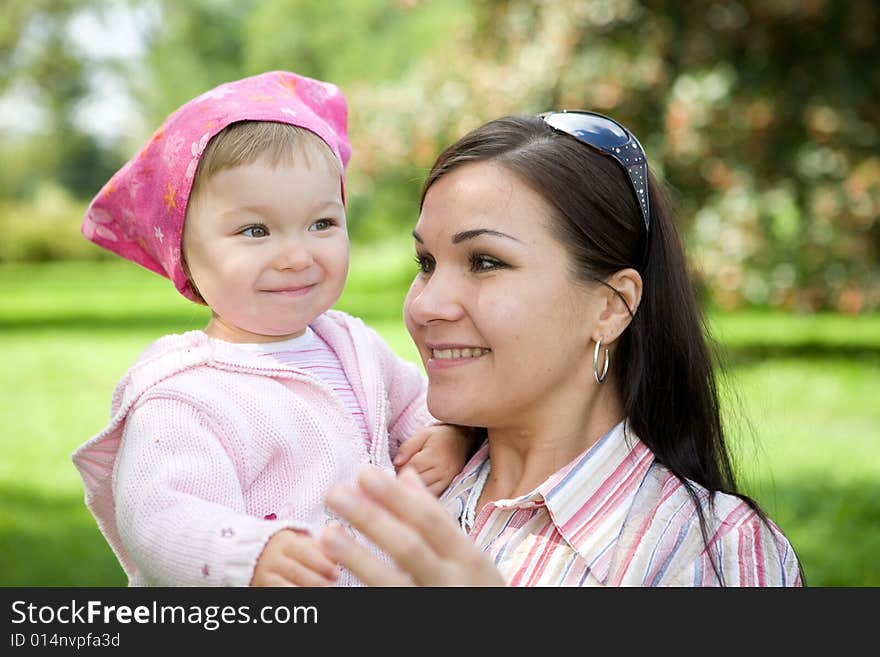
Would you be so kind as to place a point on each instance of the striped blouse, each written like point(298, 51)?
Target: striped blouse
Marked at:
point(615, 517)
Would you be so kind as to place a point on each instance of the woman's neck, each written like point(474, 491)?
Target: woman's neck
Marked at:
point(524, 454)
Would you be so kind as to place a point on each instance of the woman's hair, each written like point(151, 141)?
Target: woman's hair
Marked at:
point(666, 376)
point(245, 142)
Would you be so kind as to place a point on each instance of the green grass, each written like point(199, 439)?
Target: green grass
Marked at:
point(754, 334)
point(812, 459)
point(808, 385)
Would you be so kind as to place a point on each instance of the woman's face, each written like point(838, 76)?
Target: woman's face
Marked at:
point(501, 325)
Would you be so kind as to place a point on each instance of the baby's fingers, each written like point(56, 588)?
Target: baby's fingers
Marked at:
point(432, 477)
point(311, 559)
point(408, 448)
point(299, 574)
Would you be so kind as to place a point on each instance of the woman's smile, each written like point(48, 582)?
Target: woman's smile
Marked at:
point(446, 356)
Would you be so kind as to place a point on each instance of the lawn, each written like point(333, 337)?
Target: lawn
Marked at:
point(807, 432)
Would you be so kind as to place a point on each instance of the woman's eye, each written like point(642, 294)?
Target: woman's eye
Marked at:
point(257, 230)
point(322, 224)
point(480, 262)
point(425, 263)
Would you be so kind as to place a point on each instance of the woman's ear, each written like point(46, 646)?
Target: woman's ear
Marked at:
point(623, 297)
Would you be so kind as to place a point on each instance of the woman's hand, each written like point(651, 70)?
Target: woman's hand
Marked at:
point(403, 518)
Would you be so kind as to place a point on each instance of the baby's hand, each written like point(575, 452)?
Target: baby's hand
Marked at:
point(437, 453)
point(293, 559)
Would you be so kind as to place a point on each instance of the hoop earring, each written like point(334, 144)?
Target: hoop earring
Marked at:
point(600, 377)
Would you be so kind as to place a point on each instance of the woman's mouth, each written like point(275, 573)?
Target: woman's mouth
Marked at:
point(466, 352)
point(444, 357)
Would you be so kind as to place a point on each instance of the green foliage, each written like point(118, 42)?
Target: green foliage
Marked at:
point(761, 117)
point(45, 228)
point(751, 112)
point(364, 41)
point(755, 332)
point(197, 45)
point(194, 46)
point(40, 55)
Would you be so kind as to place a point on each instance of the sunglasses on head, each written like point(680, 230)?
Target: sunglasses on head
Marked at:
point(611, 139)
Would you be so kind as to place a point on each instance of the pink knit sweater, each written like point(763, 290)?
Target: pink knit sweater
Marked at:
point(211, 450)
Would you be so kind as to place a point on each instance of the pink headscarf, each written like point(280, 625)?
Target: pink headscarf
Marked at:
point(139, 213)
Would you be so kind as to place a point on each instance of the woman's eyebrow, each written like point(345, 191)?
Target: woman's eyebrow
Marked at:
point(471, 234)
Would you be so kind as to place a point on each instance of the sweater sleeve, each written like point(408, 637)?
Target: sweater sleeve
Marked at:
point(407, 390)
point(179, 501)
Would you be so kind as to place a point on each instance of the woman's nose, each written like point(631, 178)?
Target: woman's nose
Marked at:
point(434, 298)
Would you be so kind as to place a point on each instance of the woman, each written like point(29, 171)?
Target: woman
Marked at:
point(554, 310)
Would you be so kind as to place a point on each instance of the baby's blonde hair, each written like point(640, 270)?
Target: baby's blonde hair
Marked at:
point(244, 142)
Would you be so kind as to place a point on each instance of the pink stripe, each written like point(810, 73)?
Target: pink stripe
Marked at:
point(550, 547)
point(291, 355)
point(323, 363)
point(745, 575)
point(634, 546)
point(662, 534)
point(527, 561)
point(759, 557)
point(608, 505)
point(737, 515)
point(617, 479)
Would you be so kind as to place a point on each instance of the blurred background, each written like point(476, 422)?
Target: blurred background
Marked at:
point(762, 116)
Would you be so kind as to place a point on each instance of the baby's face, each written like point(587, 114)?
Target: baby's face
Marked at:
point(267, 247)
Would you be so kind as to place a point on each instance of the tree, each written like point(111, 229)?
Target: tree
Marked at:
point(761, 116)
point(36, 41)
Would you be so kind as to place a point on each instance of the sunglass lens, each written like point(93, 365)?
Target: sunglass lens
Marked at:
point(595, 130)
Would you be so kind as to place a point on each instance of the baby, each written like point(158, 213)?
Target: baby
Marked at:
point(222, 443)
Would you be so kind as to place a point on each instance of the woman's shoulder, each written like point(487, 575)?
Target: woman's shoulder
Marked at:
point(725, 512)
point(688, 523)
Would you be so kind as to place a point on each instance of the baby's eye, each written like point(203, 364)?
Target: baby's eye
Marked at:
point(481, 262)
point(257, 230)
point(322, 224)
point(425, 263)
